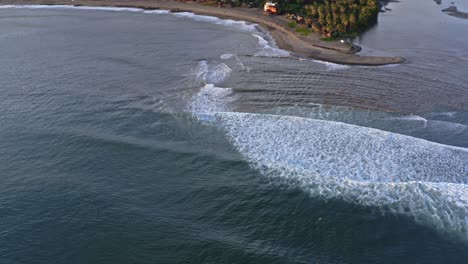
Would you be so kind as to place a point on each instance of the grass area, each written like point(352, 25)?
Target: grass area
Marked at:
point(292, 24)
point(303, 31)
point(210, 3)
point(327, 39)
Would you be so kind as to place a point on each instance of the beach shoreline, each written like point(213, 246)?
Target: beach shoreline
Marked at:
point(284, 37)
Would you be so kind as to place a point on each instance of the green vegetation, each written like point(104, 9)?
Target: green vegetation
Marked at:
point(343, 17)
point(303, 31)
point(292, 24)
point(332, 18)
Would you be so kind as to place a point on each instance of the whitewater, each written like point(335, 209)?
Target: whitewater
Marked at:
point(395, 173)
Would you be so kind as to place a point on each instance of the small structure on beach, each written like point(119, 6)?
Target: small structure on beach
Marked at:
point(271, 8)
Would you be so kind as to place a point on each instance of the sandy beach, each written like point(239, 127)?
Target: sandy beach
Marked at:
point(310, 46)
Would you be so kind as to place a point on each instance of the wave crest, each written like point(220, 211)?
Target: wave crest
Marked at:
point(397, 173)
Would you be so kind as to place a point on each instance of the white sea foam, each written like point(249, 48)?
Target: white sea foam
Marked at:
point(157, 11)
point(332, 113)
point(115, 9)
point(331, 149)
point(442, 114)
point(196, 17)
point(210, 99)
point(425, 180)
point(214, 74)
point(242, 25)
point(267, 50)
point(387, 65)
point(229, 56)
point(439, 125)
point(226, 56)
point(411, 118)
point(332, 66)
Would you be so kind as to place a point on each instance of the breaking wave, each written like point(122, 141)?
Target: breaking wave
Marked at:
point(226, 56)
point(267, 50)
point(157, 11)
point(335, 149)
point(395, 173)
point(210, 99)
point(437, 125)
point(332, 66)
point(411, 119)
point(400, 174)
point(213, 74)
point(242, 25)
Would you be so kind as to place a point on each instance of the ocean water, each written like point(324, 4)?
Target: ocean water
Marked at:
point(131, 136)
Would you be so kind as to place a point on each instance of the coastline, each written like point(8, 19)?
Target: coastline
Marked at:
point(285, 38)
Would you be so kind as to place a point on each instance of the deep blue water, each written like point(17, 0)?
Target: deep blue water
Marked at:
point(128, 137)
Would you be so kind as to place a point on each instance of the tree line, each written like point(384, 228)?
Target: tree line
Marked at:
point(333, 18)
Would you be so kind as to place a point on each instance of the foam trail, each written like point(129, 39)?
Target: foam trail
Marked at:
point(400, 174)
point(228, 56)
point(157, 11)
point(388, 65)
point(332, 66)
point(242, 25)
point(442, 114)
point(331, 113)
point(115, 9)
point(414, 118)
point(438, 125)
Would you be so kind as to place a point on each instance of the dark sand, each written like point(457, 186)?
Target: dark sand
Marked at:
point(310, 46)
